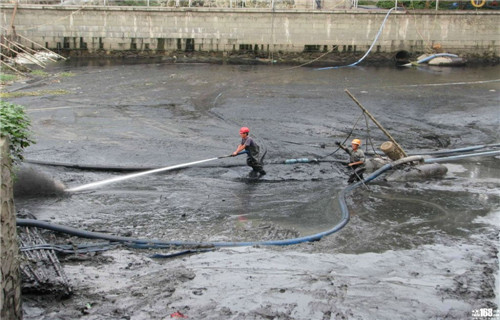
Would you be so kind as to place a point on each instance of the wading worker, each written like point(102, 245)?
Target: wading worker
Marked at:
point(356, 161)
point(252, 149)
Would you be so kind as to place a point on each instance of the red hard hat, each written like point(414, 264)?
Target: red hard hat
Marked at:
point(244, 130)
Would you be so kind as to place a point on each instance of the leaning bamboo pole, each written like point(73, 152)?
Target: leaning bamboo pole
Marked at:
point(376, 123)
point(10, 67)
point(32, 51)
point(35, 43)
point(39, 45)
point(28, 55)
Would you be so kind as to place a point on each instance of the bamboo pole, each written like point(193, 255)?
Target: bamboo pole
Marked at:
point(10, 59)
point(33, 52)
point(28, 55)
point(20, 47)
point(10, 67)
point(25, 47)
point(35, 62)
point(376, 122)
point(13, 17)
point(39, 45)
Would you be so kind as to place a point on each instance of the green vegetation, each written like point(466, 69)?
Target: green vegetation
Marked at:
point(15, 124)
point(66, 74)
point(18, 94)
point(39, 73)
point(407, 4)
point(4, 77)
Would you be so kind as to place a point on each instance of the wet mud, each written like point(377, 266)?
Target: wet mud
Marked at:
point(411, 250)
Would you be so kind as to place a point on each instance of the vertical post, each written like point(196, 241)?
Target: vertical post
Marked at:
point(10, 277)
point(12, 19)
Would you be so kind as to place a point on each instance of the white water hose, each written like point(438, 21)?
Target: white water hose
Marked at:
point(135, 175)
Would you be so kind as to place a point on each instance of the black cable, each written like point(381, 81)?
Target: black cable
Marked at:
point(350, 133)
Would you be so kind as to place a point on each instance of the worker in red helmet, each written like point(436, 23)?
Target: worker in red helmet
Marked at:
point(252, 149)
point(356, 159)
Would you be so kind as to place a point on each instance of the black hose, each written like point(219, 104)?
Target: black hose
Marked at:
point(146, 243)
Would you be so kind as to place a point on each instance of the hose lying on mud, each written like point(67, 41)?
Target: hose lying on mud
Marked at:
point(463, 150)
point(286, 161)
point(152, 243)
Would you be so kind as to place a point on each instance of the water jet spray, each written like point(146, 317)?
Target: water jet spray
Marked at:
point(143, 173)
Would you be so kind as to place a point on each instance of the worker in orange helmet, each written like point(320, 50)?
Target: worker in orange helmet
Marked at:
point(252, 149)
point(356, 160)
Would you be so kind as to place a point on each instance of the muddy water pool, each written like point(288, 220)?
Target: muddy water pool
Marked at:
point(162, 114)
point(155, 115)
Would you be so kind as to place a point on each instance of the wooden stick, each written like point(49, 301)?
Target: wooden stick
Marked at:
point(41, 46)
point(10, 58)
point(13, 16)
point(29, 40)
point(376, 122)
point(10, 67)
point(33, 52)
point(28, 55)
point(20, 47)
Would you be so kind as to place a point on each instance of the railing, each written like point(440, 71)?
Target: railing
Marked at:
point(278, 4)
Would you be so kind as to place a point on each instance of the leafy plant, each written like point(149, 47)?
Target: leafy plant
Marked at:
point(15, 124)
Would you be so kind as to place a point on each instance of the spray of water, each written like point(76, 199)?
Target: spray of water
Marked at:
point(32, 181)
point(135, 175)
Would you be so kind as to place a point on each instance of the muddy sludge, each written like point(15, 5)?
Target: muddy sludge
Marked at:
point(405, 242)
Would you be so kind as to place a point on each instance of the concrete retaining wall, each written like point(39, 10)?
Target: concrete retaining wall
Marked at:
point(225, 30)
point(11, 279)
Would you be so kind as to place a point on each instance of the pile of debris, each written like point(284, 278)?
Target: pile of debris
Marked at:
point(41, 269)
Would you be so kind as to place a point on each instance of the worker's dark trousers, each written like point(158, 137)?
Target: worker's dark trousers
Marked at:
point(357, 174)
point(256, 165)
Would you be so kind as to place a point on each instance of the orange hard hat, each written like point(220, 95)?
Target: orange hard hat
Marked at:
point(356, 141)
point(244, 130)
